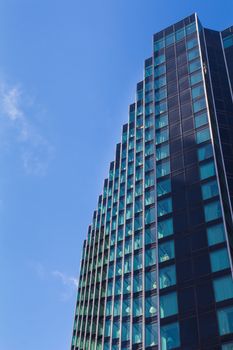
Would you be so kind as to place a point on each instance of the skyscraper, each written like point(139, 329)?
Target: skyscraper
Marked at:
point(156, 270)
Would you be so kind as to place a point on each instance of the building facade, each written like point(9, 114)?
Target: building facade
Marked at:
point(156, 269)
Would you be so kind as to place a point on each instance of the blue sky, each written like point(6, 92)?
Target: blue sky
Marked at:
point(68, 71)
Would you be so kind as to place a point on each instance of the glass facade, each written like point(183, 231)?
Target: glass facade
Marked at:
point(156, 266)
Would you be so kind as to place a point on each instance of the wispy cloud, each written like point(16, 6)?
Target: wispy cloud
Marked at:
point(69, 282)
point(18, 127)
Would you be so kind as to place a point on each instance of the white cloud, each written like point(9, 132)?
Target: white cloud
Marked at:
point(66, 280)
point(18, 128)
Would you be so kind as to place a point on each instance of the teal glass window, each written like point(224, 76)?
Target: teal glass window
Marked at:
point(150, 257)
point(120, 235)
point(148, 71)
point(131, 144)
point(150, 280)
point(212, 211)
point(191, 43)
point(138, 223)
point(162, 152)
point(203, 135)
point(180, 34)
point(166, 251)
point(106, 345)
point(197, 91)
point(139, 159)
point(125, 335)
point(168, 305)
point(225, 320)
point(194, 66)
point(118, 286)
point(190, 28)
point(170, 336)
point(137, 283)
point(137, 307)
point(149, 97)
point(137, 264)
point(228, 346)
point(149, 121)
point(165, 228)
point(159, 70)
point(116, 330)
point(149, 149)
point(150, 235)
point(107, 331)
point(130, 182)
point(119, 250)
point(163, 187)
point(149, 134)
point(159, 59)
point(207, 170)
point(149, 215)
point(196, 78)
point(137, 333)
point(151, 306)
point(149, 109)
point(223, 288)
point(149, 164)
point(161, 121)
point(209, 189)
point(163, 169)
point(127, 285)
point(138, 205)
point(110, 289)
point(219, 260)
point(139, 146)
point(128, 246)
point(160, 82)
point(139, 134)
point(109, 308)
point(170, 39)
point(199, 105)
point(149, 197)
point(139, 174)
point(200, 119)
point(126, 307)
point(110, 271)
point(127, 264)
point(151, 334)
point(160, 94)
point(158, 45)
point(164, 206)
point(193, 54)
point(116, 307)
point(149, 86)
point(138, 189)
point(112, 254)
point(149, 179)
point(228, 41)
point(215, 234)
point(167, 276)
point(139, 97)
point(160, 108)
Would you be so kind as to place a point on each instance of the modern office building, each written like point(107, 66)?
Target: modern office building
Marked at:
point(156, 270)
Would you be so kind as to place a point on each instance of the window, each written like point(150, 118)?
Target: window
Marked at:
point(126, 309)
point(162, 152)
point(166, 251)
point(138, 205)
point(137, 333)
point(158, 45)
point(212, 211)
point(148, 109)
point(180, 34)
point(150, 258)
point(170, 336)
point(137, 283)
point(138, 189)
point(148, 71)
point(209, 189)
point(109, 308)
point(116, 307)
point(137, 307)
point(160, 82)
point(116, 330)
point(150, 280)
point(160, 94)
point(149, 197)
point(163, 187)
point(151, 306)
point(190, 28)
point(159, 59)
point(149, 215)
point(128, 246)
point(197, 91)
point(150, 235)
point(228, 41)
point(149, 179)
point(194, 66)
point(199, 105)
point(228, 346)
point(149, 149)
point(118, 287)
point(159, 70)
point(161, 136)
point(160, 108)
point(137, 261)
point(193, 54)
point(137, 241)
point(151, 334)
point(201, 119)
point(223, 288)
point(165, 228)
point(207, 170)
point(170, 39)
point(167, 277)
point(149, 134)
point(225, 320)
point(162, 169)
point(164, 206)
point(161, 121)
point(127, 285)
point(215, 234)
point(168, 305)
point(138, 223)
point(125, 331)
point(191, 43)
point(205, 152)
point(195, 78)
point(219, 260)
point(107, 328)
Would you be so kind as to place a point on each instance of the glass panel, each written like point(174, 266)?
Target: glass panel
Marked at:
point(116, 307)
point(201, 119)
point(160, 108)
point(127, 285)
point(209, 189)
point(138, 223)
point(158, 45)
point(150, 257)
point(194, 65)
point(127, 264)
point(223, 288)
point(126, 308)
point(170, 39)
point(164, 206)
point(160, 94)
point(228, 346)
point(161, 121)
point(150, 235)
point(137, 283)
point(207, 170)
point(163, 169)
point(205, 152)
point(149, 179)
point(190, 28)
point(150, 280)
point(148, 71)
point(199, 105)
point(166, 251)
point(137, 307)
point(125, 331)
point(193, 54)
point(149, 215)
point(196, 78)
point(138, 241)
point(219, 260)
point(167, 277)
point(165, 228)
point(160, 70)
point(160, 82)
point(163, 187)
point(191, 43)
point(159, 59)
point(197, 91)
point(215, 234)
point(162, 152)
point(225, 320)
point(118, 287)
point(107, 331)
point(151, 306)
point(137, 333)
point(170, 336)
point(137, 261)
point(116, 330)
point(151, 334)
point(168, 305)
point(161, 136)
point(213, 211)
point(149, 197)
